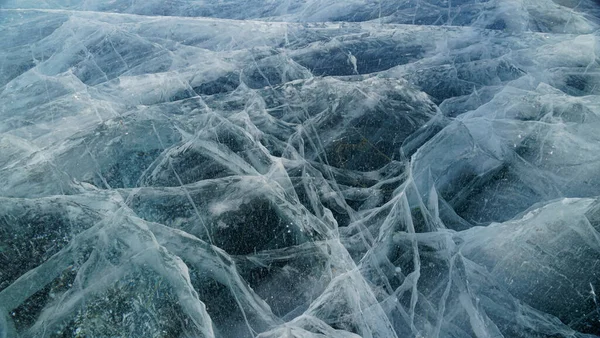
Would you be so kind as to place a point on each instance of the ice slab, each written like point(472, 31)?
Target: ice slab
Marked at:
point(299, 168)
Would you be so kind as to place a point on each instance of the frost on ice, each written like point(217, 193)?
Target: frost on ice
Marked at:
point(300, 168)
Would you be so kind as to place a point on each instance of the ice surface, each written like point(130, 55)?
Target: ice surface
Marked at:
point(300, 168)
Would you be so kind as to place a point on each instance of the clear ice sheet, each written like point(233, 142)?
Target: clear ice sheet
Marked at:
point(299, 168)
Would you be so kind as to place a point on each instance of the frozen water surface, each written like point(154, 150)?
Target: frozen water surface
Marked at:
point(300, 168)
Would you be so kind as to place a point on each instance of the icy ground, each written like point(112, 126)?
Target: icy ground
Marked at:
point(300, 168)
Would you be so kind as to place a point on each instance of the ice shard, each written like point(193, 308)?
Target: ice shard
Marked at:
point(300, 168)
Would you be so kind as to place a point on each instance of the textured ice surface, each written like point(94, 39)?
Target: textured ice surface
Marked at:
point(300, 168)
